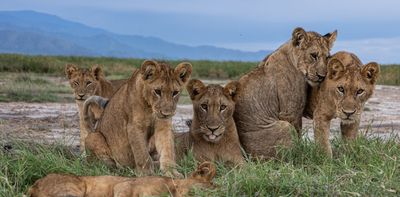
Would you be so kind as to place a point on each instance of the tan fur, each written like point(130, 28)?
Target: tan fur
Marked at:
point(141, 108)
point(85, 83)
point(114, 186)
point(347, 73)
point(213, 135)
point(273, 95)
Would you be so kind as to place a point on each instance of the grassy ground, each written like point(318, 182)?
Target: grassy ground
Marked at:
point(32, 87)
point(26, 78)
point(114, 66)
point(37, 87)
point(121, 68)
point(390, 75)
point(365, 167)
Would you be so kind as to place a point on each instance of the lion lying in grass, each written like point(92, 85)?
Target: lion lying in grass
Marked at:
point(213, 135)
point(349, 84)
point(143, 107)
point(108, 186)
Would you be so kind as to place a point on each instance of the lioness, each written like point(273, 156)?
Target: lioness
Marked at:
point(85, 83)
point(141, 108)
point(108, 186)
point(273, 95)
point(213, 135)
point(349, 84)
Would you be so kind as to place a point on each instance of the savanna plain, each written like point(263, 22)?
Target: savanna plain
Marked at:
point(39, 134)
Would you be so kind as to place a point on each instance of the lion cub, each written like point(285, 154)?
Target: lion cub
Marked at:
point(71, 185)
point(143, 107)
point(349, 84)
point(85, 83)
point(273, 95)
point(213, 135)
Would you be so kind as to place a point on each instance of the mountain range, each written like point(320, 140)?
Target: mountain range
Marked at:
point(35, 33)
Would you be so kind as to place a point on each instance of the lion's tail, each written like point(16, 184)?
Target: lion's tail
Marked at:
point(93, 100)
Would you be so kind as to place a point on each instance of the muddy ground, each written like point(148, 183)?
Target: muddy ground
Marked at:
point(58, 122)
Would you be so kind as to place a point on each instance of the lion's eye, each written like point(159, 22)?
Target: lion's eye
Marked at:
point(88, 83)
point(158, 92)
point(222, 107)
point(204, 107)
point(76, 83)
point(341, 89)
point(175, 93)
point(314, 56)
point(360, 91)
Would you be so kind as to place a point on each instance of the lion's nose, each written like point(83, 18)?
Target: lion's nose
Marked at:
point(81, 95)
point(348, 112)
point(213, 128)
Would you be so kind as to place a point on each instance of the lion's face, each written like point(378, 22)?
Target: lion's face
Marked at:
point(163, 85)
point(213, 106)
point(312, 52)
point(351, 84)
point(83, 81)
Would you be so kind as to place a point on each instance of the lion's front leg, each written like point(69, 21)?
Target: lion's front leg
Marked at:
point(164, 141)
point(82, 130)
point(349, 130)
point(321, 134)
point(136, 136)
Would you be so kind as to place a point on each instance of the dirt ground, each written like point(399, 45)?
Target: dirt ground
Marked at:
point(58, 122)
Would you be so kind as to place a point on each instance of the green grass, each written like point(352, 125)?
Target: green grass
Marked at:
point(25, 78)
point(122, 68)
point(365, 167)
point(114, 66)
point(30, 87)
point(390, 75)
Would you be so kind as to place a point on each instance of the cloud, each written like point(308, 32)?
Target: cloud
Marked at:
point(381, 50)
point(259, 10)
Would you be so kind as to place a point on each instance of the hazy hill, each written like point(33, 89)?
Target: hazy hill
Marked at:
point(30, 32)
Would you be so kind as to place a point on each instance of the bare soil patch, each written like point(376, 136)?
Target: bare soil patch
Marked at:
point(58, 122)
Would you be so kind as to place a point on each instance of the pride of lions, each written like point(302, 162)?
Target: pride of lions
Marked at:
point(128, 123)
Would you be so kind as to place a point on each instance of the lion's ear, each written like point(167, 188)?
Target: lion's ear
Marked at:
point(183, 71)
point(97, 72)
point(331, 38)
point(195, 87)
point(148, 69)
point(371, 72)
point(70, 69)
point(232, 89)
point(335, 69)
point(299, 37)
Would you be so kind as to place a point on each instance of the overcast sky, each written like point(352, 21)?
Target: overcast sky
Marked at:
point(368, 28)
